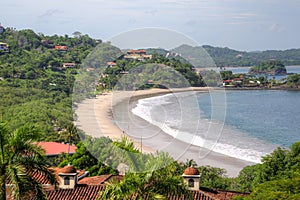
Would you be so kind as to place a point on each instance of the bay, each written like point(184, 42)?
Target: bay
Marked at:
point(255, 122)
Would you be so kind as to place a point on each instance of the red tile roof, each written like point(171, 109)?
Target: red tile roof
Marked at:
point(81, 192)
point(56, 148)
point(111, 63)
point(191, 171)
point(141, 51)
point(61, 47)
point(91, 192)
point(39, 177)
point(98, 180)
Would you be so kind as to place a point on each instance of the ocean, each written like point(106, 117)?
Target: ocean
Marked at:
point(244, 124)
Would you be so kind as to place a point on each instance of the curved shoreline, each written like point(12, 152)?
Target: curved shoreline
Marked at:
point(96, 118)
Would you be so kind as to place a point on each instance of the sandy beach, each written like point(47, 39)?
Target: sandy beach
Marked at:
point(100, 117)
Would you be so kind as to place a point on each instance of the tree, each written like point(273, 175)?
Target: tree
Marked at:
point(226, 75)
point(77, 34)
point(157, 183)
point(83, 159)
point(70, 135)
point(19, 158)
point(277, 189)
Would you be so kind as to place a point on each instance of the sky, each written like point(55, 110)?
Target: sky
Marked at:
point(247, 25)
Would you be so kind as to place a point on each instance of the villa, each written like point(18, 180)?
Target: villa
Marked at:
point(61, 47)
point(140, 55)
point(68, 65)
point(4, 47)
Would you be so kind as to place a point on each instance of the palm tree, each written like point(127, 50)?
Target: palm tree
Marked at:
point(70, 135)
point(157, 183)
point(20, 157)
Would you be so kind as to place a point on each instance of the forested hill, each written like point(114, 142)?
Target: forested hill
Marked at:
point(229, 57)
point(37, 73)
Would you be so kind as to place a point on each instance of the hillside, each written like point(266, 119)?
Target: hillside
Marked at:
point(229, 57)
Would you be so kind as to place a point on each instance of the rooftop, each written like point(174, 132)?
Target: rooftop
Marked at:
point(56, 148)
point(191, 171)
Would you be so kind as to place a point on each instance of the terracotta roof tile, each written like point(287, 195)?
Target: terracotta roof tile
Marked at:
point(191, 171)
point(97, 180)
point(90, 192)
point(81, 192)
point(56, 148)
point(41, 178)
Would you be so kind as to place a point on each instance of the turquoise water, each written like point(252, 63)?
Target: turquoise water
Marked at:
point(243, 124)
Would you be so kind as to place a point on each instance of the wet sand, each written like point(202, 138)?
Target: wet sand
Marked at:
point(103, 116)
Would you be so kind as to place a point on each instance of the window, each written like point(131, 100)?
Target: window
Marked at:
point(67, 180)
point(191, 182)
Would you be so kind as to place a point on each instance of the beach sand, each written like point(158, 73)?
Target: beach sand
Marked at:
point(101, 117)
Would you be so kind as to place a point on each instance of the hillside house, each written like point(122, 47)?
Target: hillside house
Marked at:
point(137, 55)
point(111, 64)
point(4, 47)
point(54, 149)
point(61, 47)
point(68, 65)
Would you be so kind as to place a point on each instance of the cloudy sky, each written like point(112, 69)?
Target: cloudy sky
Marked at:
point(239, 24)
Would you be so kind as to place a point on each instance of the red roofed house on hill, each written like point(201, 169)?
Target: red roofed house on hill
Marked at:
point(54, 149)
point(61, 47)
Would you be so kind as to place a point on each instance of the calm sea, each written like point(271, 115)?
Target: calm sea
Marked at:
point(242, 124)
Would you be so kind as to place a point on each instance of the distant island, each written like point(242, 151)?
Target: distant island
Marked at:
point(272, 67)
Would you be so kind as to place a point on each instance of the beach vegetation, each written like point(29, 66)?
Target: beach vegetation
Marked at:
point(277, 177)
point(293, 80)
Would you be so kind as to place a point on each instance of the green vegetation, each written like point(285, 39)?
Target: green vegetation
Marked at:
point(293, 80)
point(83, 159)
point(278, 177)
point(223, 57)
point(157, 183)
point(271, 67)
point(16, 167)
point(34, 87)
point(158, 72)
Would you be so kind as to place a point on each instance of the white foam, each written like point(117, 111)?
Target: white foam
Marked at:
point(240, 150)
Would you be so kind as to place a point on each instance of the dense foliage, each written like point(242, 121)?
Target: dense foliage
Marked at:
point(158, 72)
point(270, 67)
point(223, 57)
point(20, 157)
point(34, 86)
